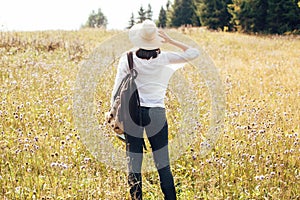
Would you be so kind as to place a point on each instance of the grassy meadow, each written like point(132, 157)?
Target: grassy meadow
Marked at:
point(42, 156)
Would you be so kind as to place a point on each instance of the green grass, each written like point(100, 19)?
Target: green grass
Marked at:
point(257, 156)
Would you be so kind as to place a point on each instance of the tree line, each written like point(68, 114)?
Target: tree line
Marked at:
point(251, 16)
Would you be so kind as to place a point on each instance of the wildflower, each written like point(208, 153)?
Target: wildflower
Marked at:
point(18, 151)
point(26, 145)
point(272, 173)
point(63, 165)
point(86, 160)
point(193, 170)
point(262, 177)
point(262, 131)
point(54, 164)
point(209, 161)
point(18, 189)
point(259, 178)
point(194, 156)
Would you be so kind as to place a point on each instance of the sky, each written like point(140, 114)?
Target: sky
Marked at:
point(33, 15)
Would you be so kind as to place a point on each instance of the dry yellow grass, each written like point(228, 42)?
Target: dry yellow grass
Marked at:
point(42, 156)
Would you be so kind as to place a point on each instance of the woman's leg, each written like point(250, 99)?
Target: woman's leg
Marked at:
point(134, 152)
point(157, 133)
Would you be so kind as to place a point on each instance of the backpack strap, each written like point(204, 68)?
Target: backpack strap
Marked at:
point(134, 75)
point(133, 72)
point(130, 59)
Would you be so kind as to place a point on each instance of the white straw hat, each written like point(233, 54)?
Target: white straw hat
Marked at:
point(145, 35)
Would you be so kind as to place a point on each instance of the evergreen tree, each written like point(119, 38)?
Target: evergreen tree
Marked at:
point(142, 15)
point(247, 16)
point(261, 7)
point(214, 13)
point(169, 12)
point(268, 16)
point(162, 19)
point(283, 16)
point(234, 9)
point(96, 20)
point(168, 5)
point(253, 14)
point(131, 21)
point(149, 12)
point(175, 19)
point(243, 15)
point(184, 13)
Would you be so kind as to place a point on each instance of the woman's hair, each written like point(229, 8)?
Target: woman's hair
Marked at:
point(147, 54)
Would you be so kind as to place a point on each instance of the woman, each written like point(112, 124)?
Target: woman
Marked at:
point(154, 71)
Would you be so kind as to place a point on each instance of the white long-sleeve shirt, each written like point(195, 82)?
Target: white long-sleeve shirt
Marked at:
point(153, 75)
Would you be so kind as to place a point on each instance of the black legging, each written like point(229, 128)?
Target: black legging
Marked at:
point(153, 120)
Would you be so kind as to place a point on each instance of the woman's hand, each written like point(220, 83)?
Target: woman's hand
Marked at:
point(168, 39)
point(163, 35)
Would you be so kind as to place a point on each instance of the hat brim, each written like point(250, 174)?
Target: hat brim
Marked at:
point(138, 41)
